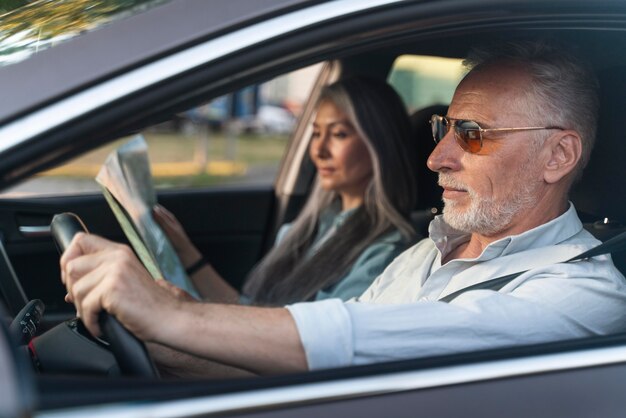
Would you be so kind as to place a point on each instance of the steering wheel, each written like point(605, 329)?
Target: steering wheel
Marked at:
point(130, 353)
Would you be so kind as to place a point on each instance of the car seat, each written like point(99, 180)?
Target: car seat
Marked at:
point(599, 196)
point(428, 201)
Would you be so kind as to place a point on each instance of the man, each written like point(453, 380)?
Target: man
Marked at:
point(518, 132)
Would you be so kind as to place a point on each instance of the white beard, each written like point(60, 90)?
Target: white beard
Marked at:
point(488, 216)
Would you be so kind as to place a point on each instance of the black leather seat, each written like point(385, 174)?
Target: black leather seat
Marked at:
point(428, 192)
point(599, 197)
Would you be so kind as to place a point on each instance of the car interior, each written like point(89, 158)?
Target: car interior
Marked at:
point(236, 226)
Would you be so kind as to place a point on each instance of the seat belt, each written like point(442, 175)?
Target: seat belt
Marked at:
point(613, 245)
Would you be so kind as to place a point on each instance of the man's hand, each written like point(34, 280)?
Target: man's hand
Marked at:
point(99, 274)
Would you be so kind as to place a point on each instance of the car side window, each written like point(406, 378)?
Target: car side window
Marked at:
point(423, 80)
point(235, 139)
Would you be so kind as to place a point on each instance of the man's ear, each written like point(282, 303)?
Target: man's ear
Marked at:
point(565, 148)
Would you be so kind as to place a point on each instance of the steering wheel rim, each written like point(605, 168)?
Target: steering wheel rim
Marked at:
point(130, 353)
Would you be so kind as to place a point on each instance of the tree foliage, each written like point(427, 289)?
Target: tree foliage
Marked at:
point(30, 25)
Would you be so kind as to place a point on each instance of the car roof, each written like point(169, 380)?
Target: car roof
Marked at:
point(116, 47)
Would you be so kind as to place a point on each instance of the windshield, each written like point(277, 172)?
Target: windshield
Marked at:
point(27, 27)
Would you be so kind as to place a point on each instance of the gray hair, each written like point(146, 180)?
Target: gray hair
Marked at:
point(565, 89)
point(289, 273)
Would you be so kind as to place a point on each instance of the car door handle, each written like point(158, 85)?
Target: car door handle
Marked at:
point(35, 231)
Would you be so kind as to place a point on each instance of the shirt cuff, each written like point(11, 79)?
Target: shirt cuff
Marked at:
point(325, 332)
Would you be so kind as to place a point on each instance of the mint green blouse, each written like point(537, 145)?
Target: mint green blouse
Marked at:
point(369, 265)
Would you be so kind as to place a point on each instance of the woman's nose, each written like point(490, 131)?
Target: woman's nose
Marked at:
point(447, 154)
point(321, 147)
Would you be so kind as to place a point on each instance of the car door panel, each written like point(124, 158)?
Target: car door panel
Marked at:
point(556, 394)
point(227, 225)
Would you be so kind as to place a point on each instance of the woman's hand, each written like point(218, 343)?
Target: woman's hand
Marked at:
point(103, 275)
point(187, 252)
point(207, 281)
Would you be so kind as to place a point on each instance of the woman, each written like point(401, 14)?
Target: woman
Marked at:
point(356, 220)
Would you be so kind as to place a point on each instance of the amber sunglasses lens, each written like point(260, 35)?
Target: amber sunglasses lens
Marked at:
point(467, 134)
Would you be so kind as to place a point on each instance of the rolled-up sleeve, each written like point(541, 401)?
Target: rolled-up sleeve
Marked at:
point(539, 308)
point(325, 331)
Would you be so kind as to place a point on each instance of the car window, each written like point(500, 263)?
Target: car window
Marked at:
point(423, 80)
point(235, 139)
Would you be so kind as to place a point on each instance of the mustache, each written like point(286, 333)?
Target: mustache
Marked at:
point(447, 181)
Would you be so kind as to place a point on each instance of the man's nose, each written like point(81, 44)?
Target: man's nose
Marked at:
point(447, 154)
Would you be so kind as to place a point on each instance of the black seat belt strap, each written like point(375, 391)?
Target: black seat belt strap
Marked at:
point(613, 245)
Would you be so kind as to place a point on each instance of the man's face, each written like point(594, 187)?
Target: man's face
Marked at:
point(487, 193)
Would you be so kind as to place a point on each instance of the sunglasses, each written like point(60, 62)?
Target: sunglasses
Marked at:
point(469, 134)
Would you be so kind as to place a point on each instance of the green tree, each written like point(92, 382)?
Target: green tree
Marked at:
point(8, 5)
point(32, 25)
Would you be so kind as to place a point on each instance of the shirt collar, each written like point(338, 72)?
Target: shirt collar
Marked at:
point(553, 232)
point(333, 217)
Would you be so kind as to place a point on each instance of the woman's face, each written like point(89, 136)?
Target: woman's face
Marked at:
point(342, 159)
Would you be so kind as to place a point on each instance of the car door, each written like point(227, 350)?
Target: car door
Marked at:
point(227, 225)
point(215, 166)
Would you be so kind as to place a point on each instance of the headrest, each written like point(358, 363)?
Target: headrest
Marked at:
point(428, 192)
point(601, 191)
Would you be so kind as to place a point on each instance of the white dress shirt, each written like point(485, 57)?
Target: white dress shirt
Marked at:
point(399, 315)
